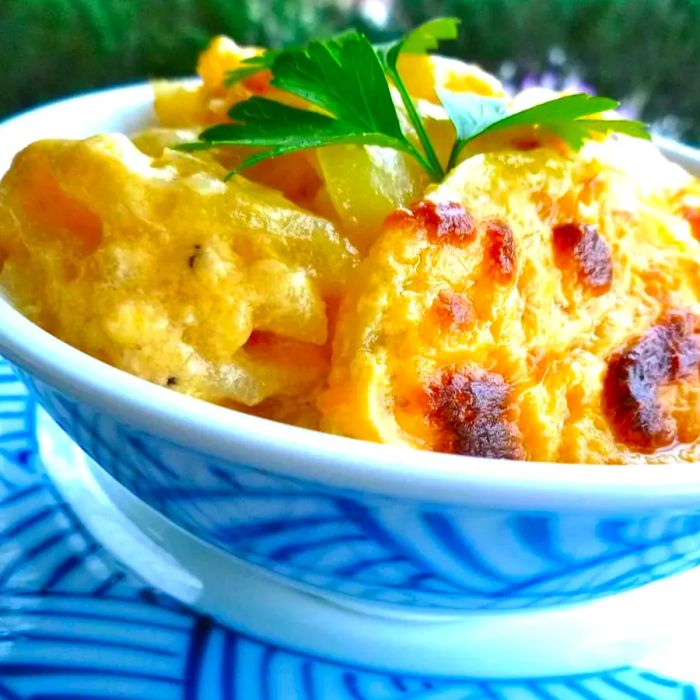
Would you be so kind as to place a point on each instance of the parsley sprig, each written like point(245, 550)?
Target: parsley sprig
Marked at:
point(567, 117)
point(251, 66)
point(421, 40)
point(346, 83)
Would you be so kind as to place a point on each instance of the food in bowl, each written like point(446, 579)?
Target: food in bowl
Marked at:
point(158, 267)
point(531, 306)
point(404, 254)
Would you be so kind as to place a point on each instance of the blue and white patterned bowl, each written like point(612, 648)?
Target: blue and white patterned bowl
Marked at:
point(389, 528)
point(75, 624)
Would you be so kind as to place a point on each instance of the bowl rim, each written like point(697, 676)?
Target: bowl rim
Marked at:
point(331, 461)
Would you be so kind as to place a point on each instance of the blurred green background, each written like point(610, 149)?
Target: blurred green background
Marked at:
point(645, 52)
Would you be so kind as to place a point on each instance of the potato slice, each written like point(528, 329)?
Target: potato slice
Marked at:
point(364, 184)
point(423, 73)
point(161, 268)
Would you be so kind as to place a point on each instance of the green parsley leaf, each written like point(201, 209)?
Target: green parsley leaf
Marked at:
point(344, 77)
point(281, 129)
point(471, 114)
point(251, 66)
point(564, 116)
point(341, 77)
point(345, 81)
point(578, 131)
point(421, 40)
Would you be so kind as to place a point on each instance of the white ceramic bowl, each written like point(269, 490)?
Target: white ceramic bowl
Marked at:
point(386, 527)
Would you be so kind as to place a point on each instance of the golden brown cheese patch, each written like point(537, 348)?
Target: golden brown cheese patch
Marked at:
point(579, 248)
point(443, 222)
point(500, 256)
point(451, 312)
point(471, 410)
point(666, 353)
point(486, 318)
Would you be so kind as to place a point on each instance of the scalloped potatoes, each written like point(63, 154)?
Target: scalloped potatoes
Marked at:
point(536, 304)
point(219, 290)
point(484, 319)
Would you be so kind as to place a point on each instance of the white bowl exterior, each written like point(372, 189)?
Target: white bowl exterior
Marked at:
point(387, 526)
point(395, 551)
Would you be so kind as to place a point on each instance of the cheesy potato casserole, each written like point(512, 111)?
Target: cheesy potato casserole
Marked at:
point(537, 303)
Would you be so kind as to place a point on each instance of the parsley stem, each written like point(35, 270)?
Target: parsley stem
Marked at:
point(454, 155)
point(430, 162)
point(417, 155)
